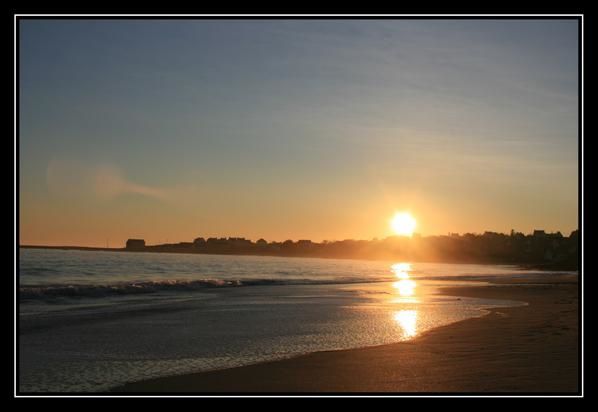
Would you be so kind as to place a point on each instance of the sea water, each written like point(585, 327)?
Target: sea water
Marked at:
point(89, 321)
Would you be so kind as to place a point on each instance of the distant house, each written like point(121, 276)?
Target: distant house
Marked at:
point(219, 243)
point(135, 244)
point(239, 241)
point(305, 245)
point(539, 233)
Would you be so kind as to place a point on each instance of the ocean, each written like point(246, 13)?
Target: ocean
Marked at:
point(89, 321)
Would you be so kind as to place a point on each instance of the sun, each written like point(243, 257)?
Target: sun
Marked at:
point(403, 224)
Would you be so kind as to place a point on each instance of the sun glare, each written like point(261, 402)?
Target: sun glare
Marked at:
point(403, 224)
point(407, 320)
point(406, 287)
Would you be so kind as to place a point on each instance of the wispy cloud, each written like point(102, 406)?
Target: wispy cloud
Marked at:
point(110, 182)
point(73, 178)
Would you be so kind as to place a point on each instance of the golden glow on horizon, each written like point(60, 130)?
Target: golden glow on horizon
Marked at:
point(407, 320)
point(403, 224)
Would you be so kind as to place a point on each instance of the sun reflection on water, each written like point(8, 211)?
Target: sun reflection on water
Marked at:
point(406, 287)
point(401, 270)
point(406, 319)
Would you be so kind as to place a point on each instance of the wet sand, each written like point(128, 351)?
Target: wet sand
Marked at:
point(526, 349)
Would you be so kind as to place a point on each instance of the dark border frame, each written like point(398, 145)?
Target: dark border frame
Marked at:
point(582, 60)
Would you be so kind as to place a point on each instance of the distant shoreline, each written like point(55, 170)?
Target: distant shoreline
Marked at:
point(89, 248)
point(530, 266)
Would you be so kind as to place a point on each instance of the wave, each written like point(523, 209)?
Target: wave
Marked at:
point(133, 288)
point(33, 292)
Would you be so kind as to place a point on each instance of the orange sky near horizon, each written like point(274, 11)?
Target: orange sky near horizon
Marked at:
point(161, 221)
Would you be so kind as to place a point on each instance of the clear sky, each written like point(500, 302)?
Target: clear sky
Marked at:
point(320, 129)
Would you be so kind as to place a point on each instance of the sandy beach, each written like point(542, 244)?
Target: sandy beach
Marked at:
point(524, 349)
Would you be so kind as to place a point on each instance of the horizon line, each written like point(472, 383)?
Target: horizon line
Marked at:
point(415, 235)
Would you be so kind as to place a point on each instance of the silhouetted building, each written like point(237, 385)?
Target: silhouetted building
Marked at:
point(135, 244)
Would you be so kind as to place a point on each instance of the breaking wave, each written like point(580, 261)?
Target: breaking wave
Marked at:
point(133, 288)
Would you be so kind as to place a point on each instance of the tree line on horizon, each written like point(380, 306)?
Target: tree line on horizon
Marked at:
point(539, 249)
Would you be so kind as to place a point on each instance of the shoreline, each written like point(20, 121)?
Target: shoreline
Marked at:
point(544, 267)
point(531, 348)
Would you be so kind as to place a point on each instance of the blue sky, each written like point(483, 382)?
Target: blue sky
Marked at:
point(295, 129)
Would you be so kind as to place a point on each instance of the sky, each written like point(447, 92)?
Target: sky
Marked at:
point(294, 129)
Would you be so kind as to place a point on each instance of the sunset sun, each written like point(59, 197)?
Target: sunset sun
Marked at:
point(403, 224)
